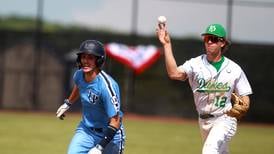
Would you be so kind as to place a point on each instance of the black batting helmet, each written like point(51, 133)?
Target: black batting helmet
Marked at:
point(95, 48)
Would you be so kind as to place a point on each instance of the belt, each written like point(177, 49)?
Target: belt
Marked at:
point(99, 130)
point(206, 116)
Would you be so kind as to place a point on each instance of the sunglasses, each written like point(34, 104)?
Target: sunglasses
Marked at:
point(212, 39)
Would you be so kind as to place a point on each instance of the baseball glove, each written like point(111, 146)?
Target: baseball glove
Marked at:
point(239, 107)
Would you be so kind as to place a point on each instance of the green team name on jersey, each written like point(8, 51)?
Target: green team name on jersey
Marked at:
point(212, 86)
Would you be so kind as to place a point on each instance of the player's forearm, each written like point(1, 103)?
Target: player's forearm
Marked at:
point(74, 94)
point(67, 103)
point(171, 65)
point(110, 132)
point(170, 62)
point(115, 121)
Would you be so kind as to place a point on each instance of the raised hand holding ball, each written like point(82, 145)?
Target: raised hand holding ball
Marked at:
point(162, 21)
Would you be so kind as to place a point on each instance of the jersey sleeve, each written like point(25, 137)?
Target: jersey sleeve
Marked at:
point(186, 67)
point(76, 77)
point(242, 86)
point(111, 99)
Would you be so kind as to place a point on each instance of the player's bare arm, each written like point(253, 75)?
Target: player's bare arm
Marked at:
point(171, 66)
point(112, 128)
point(115, 121)
point(67, 103)
point(74, 94)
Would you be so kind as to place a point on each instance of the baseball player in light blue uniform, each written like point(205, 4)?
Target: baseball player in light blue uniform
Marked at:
point(101, 129)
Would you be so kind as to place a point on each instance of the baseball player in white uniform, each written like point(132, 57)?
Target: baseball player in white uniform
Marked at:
point(213, 79)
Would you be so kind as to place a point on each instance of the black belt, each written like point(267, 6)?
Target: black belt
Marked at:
point(99, 130)
point(206, 116)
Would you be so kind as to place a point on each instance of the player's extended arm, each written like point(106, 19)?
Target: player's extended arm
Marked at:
point(171, 66)
point(113, 127)
point(67, 103)
point(74, 94)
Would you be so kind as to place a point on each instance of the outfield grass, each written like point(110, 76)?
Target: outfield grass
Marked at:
point(42, 133)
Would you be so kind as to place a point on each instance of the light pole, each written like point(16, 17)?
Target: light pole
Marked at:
point(129, 74)
point(37, 54)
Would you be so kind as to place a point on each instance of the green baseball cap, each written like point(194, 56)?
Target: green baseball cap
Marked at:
point(215, 29)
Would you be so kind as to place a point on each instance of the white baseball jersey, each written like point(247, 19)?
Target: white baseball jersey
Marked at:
point(211, 88)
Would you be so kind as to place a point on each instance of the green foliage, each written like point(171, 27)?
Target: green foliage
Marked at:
point(43, 133)
point(24, 23)
point(17, 23)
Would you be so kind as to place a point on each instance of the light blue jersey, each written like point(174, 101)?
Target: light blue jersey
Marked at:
point(100, 100)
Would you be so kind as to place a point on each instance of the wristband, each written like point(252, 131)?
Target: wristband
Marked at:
point(66, 101)
point(109, 134)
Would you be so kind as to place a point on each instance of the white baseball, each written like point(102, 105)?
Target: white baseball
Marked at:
point(162, 19)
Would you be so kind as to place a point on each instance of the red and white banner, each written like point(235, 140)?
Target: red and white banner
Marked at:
point(138, 57)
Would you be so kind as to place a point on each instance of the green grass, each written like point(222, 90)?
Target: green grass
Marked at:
point(42, 133)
